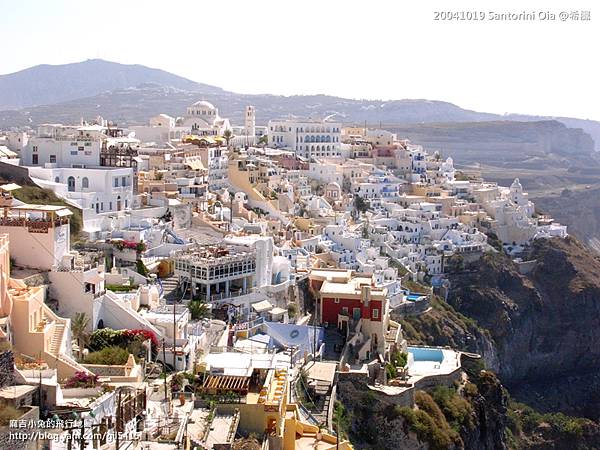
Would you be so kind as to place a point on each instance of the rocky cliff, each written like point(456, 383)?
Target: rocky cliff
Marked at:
point(470, 416)
point(539, 331)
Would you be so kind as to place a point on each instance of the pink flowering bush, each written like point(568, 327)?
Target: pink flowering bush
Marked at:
point(82, 380)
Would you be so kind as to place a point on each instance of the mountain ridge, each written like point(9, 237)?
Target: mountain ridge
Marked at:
point(50, 90)
point(46, 84)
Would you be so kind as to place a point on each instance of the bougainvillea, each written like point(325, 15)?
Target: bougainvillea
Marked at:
point(82, 380)
point(143, 334)
point(107, 337)
point(139, 247)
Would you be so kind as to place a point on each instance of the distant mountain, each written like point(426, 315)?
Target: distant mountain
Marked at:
point(47, 84)
point(130, 94)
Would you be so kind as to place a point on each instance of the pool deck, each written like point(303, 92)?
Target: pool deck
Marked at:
point(449, 364)
point(422, 370)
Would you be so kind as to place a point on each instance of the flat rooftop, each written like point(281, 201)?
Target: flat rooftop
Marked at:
point(17, 391)
point(352, 287)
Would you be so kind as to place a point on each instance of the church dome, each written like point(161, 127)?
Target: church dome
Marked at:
point(204, 104)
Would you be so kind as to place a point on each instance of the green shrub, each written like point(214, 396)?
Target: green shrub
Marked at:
point(525, 418)
point(110, 356)
point(399, 359)
point(198, 309)
point(427, 429)
point(292, 310)
point(121, 287)
point(141, 268)
point(390, 371)
point(105, 337)
point(457, 410)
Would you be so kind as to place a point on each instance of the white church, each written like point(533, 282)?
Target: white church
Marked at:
point(201, 118)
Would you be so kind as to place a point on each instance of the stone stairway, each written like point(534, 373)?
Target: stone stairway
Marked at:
point(171, 289)
point(57, 337)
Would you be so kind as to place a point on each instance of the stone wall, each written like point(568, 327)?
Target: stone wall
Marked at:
point(7, 369)
point(15, 174)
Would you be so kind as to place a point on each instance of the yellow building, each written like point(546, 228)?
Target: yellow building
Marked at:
point(32, 328)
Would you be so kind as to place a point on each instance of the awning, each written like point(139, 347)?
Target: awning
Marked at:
point(263, 306)
point(9, 187)
point(277, 311)
point(63, 212)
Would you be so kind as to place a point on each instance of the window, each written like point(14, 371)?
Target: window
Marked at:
point(345, 310)
point(110, 206)
point(85, 183)
point(123, 181)
point(356, 313)
point(52, 159)
point(34, 159)
point(375, 313)
point(115, 182)
point(35, 149)
point(80, 149)
point(71, 184)
point(56, 179)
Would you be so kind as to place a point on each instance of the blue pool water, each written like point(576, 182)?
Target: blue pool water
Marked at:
point(413, 297)
point(426, 354)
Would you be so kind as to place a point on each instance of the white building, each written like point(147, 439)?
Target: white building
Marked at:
point(308, 137)
point(97, 190)
point(39, 234)
point(202, 118)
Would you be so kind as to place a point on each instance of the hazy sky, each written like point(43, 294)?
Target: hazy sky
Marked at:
point(374, 49)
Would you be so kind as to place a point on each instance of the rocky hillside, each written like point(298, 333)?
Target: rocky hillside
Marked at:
point(476, 414)
point(505, 143)
point(130, 94)
point(48, 84)
point(579, 209)
point(471, 416)
point(540, 331)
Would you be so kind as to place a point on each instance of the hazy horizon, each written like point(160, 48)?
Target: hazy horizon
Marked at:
point(393, 52)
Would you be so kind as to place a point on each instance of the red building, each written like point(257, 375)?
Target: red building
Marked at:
point(342, 294)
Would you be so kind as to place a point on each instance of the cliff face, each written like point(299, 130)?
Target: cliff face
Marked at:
point(540, 331)
point(472, 417)
point(545, 324)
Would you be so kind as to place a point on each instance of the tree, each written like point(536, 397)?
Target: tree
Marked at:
point(292, 310)
point(79, 325)
point(365, 229)
point(228, 135)
point(198, 309)
point(360, 204)
point(263, 140)
point(140, 268)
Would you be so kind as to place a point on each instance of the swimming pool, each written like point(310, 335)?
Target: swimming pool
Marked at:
point(414, 297)
point(426, 354)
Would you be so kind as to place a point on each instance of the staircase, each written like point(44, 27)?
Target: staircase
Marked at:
point(65, 365)
point(171, 288)
point(57, 337)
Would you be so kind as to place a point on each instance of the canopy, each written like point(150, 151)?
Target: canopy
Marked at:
point(277, 311)
point(263, 306)
point(9, 187)
point(63, 212)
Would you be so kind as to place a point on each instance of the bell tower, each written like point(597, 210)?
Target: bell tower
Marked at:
point(250, 122)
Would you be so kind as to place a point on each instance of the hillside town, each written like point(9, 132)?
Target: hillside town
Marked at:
point(193, 283)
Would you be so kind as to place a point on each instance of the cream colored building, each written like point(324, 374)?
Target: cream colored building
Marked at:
point(33, 329)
